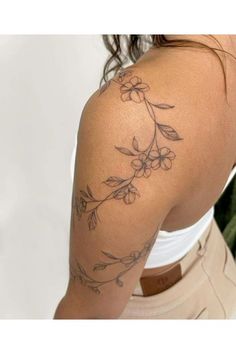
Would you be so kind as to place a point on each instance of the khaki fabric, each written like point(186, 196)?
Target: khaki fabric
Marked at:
point(207, 289)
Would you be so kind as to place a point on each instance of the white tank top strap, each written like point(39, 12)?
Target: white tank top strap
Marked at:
point(172, 246)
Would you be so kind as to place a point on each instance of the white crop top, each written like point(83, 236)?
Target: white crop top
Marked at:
point(172, 246)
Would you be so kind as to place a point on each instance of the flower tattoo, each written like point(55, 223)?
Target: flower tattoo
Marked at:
point(144, 162)
point(133, 90)
point(142, 165)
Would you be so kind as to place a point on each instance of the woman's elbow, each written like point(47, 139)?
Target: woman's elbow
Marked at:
point(66, 309)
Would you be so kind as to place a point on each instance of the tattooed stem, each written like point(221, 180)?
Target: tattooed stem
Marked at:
point(150, 109)
point(79, 273)
point(154, 141)
point(111, 195)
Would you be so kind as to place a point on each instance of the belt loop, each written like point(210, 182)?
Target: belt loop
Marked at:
point(203, 240)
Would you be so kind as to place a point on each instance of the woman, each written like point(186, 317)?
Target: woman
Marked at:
point(156, 147)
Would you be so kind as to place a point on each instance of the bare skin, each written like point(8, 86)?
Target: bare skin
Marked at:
point(154, 151)
point(177, 218)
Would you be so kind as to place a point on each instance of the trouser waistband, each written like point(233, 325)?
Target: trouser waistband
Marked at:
point(157, 283)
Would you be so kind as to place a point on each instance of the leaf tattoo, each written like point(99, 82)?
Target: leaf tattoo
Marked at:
point(114, 181)
point(135, 144)
point(125, 151)
point(168, 132)
point(144, 162)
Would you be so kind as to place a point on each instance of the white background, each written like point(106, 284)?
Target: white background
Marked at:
point(44, 84)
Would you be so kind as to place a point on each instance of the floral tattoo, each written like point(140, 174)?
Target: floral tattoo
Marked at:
point(78, 273)
point(145, 160)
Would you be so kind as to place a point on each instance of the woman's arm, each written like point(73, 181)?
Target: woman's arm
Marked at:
point(125, 183)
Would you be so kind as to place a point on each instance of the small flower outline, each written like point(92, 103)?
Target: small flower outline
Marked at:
point(127, 193)
point(142, 165)
point(162, 158)
point(133, 90)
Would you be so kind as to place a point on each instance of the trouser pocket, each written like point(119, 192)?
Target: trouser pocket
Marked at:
point(203, 314)
point(229, 266)
point(220, 269)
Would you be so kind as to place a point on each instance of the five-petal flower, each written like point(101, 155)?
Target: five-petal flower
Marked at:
point(162, 158)
point(133, 90)
point(142, 166)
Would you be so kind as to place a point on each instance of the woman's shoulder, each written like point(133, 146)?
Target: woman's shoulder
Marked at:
point(188, 89)
point(131, 124)
point(186, 106)
point(183, 110)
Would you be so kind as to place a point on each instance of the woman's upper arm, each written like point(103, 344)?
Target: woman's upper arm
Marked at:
point(124, 186)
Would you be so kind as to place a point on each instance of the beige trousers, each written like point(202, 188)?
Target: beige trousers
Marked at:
point(207, 289)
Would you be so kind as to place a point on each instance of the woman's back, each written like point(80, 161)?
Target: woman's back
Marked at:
point(193, 82)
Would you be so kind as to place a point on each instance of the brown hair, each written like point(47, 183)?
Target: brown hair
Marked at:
point(124, 47)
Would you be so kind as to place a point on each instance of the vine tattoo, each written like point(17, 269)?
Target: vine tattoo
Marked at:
point(78, 273)
point(144, 160)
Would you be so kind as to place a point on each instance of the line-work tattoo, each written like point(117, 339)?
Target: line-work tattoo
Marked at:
point(145, 160)
point(78, 273)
